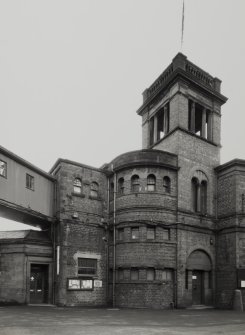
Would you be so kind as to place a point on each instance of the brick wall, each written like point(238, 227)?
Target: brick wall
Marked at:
point(81, 236)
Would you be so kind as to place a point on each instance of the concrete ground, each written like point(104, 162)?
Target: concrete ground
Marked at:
point(33, 320)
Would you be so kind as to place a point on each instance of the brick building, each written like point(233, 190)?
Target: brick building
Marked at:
point(159, 227)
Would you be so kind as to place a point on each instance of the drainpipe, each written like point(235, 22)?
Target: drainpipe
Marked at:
point(114, 242)
point(176, 260)
point(107, 243)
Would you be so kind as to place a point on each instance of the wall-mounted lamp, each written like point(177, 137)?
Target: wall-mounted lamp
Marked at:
point(211, 241)
point(75, 215)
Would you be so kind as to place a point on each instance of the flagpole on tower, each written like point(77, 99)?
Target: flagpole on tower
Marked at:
point(182, 25)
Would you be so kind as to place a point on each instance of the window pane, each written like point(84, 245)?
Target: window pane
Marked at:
point(134, 233)
point(120, 274)
point(164, 234)
point(150, 274)
point(135, 183)
point(30, 182)
point(150, 233)
point(134, 274)
point(167, 275)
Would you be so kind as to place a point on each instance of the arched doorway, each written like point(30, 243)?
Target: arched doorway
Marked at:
point(199, 275)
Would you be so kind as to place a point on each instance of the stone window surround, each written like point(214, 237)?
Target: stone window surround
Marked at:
point(80, 254)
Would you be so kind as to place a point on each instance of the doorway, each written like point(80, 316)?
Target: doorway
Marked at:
point(197, 287)
point(39, 283)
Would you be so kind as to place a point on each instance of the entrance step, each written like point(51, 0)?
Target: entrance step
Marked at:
point(41, 305)
point(200, 307)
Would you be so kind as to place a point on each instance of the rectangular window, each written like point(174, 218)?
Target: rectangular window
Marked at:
point(120, 274)
point(3, 169)
point(120, 234)
point(135, 233)
point(30, 182)
point(134, 274)
point(150, 274)
point(164, 234)
point(87, 266)
point(150, 233)
point(167, 275)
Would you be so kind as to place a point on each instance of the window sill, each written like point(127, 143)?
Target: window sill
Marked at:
point(91, 197)
point(79, 195)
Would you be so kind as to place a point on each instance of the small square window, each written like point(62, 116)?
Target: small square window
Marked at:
point(29, 182)
point(87, 266)
point(150, 233)
point(135, 233)
point(3, 169)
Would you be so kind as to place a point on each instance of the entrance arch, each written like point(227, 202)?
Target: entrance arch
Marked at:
point(199, 274)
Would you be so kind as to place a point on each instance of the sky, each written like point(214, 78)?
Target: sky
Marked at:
point(72, 72)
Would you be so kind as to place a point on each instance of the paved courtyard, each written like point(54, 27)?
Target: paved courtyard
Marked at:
point(30, 320)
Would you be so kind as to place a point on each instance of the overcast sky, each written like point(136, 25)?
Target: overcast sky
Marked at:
point(72, 72)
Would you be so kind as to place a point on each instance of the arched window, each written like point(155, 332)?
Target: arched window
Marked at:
point(195, 195)
point(94, 188)
point(203, 197)
point(135, 183)
point(121, 186)
point(151, 183)
point(166, 184)
point(77, 186)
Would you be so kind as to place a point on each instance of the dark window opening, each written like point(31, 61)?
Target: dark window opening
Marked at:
point(195, 186)
point(121, 186)
point(166, 184)
point(29, 182)
point(203, 197)
point(151, 131)
point(159, 125)
point(199, 120)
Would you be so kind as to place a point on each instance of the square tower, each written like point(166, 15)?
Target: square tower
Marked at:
point(181, 114)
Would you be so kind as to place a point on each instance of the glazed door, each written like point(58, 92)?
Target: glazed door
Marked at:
point(38, 284)
point(197, 287)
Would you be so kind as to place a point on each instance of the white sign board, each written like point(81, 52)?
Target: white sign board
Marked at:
point(97, 283)
point(242, 283)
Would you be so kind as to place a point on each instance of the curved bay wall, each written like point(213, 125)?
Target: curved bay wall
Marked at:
point(145, 229)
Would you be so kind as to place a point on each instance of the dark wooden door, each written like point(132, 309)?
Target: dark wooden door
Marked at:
point(197, 287)
point(38, 284)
